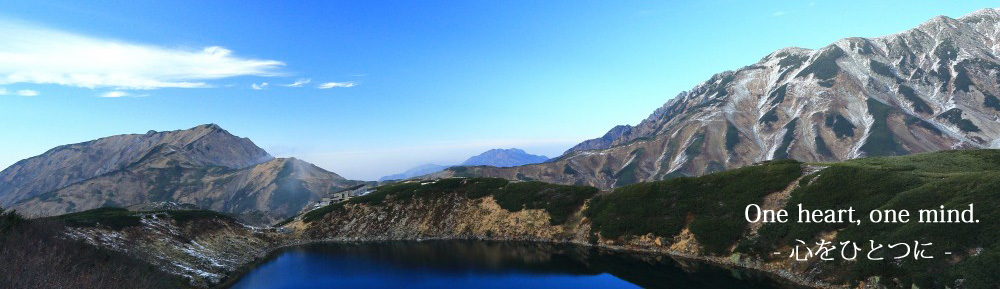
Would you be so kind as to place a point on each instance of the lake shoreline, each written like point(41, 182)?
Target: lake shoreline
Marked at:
point(779, 276)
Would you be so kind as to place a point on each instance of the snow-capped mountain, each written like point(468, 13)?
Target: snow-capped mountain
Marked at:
point(933, 87)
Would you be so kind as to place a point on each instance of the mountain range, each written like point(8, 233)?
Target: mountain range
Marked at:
point(205, 166)
point(930, 88)
point(494, 157)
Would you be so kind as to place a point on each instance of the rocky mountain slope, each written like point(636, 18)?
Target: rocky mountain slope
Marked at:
point(930, 88)
point(494, 157)
point(202, 247)
point(206, 145)
point(204, 166)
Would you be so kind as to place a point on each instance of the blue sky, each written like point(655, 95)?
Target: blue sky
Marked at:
point(410, 82)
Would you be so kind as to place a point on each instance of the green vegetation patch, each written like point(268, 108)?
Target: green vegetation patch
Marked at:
point(114, 218)
point(627, 175)
point(883, 69)
point(789, 63)
point(769, 117)
point(558, 200)
point(911, 120)
point(841, 126)
point(732, 136)
point(713, 204)
point(9, 219)
point(821, 147)
point(881, 141)
point(778, 95)
point(694, 149)
point(953, 179)
point(991, 101)
point(919, 105)
point(786, 141)
point(569, 170)
point(824, 67)
point(120, 218)
point(946, 51)
point(954, 116)
point(185, 216)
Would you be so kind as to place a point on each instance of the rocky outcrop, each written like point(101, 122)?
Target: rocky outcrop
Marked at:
point(930, 88)
point(204, 250)
point(451, 216)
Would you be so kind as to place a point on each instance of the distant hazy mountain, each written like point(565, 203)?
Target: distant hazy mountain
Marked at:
point(204, 166)
point(414, 172)
point(933, 87)
point(495, 157)
point(504, 158)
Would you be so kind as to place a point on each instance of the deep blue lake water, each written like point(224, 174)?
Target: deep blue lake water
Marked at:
point(482, 265)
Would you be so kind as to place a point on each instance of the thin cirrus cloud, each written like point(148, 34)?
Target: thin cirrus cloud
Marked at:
point(23, 92)
point(259, 86)
point(119, 93)
point(32, 54)
point(329, 85)
point(299, 83)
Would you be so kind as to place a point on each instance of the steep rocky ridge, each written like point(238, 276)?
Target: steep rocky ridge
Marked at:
point(930, 88)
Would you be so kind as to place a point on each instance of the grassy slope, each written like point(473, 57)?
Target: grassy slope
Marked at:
point(118, 218)
point(953, 179)
point(712, 207)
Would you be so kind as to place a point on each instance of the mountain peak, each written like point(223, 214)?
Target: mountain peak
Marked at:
point(504, 158)
point(925, 89)
point(204, 145)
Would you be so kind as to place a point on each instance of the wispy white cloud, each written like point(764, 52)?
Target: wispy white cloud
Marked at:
point(260, 86)
point(27, 92)
point(335, 84)
point(299, 83)
point(119, 93)
point(32, 54)
point(779, 13)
